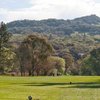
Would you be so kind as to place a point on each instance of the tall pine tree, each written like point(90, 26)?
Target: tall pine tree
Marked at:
point(4, 35)
point(6, 55)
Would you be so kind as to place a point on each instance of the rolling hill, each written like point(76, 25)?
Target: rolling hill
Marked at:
point(87, 24)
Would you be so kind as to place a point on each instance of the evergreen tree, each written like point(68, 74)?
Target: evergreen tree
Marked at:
point(6, 55)
point(4, 35)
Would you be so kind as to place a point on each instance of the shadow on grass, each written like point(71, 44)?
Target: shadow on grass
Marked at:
point(67, 85)
point(84, 86)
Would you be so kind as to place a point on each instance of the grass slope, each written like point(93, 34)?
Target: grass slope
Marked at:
point(50, 88)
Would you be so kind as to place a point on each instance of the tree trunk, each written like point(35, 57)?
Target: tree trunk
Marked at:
point(30, 73)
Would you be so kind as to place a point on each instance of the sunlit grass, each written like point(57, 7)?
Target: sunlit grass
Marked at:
point(50, 88)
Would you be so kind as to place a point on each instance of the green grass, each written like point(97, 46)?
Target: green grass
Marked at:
point(50, 88)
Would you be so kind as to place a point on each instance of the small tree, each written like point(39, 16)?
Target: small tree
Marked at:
point(91, 64)
point(69, 63)
point(54, 65)
point(7, 60)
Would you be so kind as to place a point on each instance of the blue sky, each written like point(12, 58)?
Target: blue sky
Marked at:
point(43, 9)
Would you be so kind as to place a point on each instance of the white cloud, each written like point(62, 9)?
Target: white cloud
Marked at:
point(61, 9)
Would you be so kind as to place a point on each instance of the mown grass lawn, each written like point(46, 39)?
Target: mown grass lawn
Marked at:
point(50, 88)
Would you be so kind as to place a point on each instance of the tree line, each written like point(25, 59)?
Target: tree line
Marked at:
point(36, 55)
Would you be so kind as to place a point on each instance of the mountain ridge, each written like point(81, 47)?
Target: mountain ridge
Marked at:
point(89, 24)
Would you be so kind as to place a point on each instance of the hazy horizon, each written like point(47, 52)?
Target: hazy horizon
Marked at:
point(11, 10)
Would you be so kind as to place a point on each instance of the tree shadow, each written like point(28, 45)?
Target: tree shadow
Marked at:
point(84, 85)
point(91, 85)
point(45, 84)
point(67, 85)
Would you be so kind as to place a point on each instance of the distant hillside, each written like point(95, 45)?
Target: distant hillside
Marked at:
point(89, 24)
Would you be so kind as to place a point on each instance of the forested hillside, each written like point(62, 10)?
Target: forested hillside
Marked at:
point(74, 49)
point(51, 47)
point(88, 24)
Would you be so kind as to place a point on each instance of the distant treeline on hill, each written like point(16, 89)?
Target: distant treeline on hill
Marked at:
point(88, 24)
